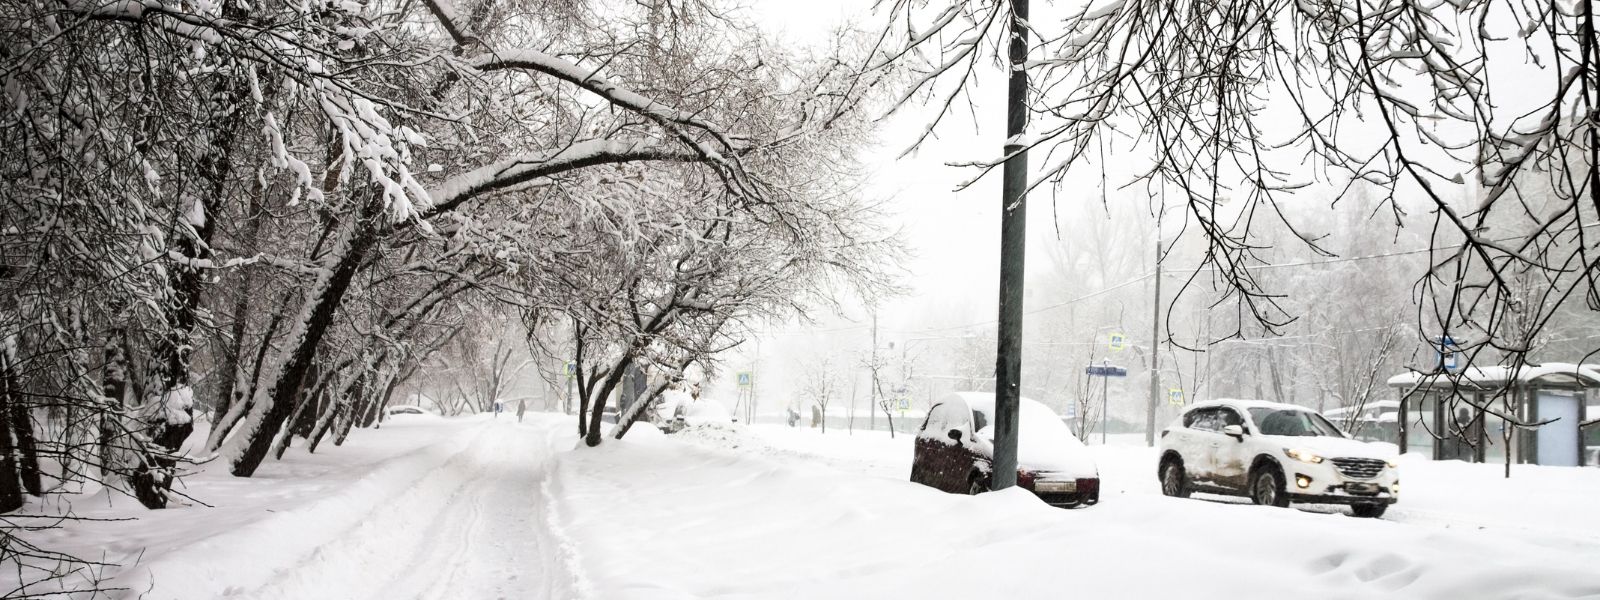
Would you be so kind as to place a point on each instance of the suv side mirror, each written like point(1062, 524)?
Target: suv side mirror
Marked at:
point(1234, 430)
point(955, 434)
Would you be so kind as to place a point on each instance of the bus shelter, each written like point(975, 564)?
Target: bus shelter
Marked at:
point(1445, 414)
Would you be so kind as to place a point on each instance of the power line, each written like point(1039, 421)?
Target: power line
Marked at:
point(1038, 310)
point(1345, 259)
point(1186, 273)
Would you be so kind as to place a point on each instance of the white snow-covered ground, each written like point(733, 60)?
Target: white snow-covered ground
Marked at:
point(789, 513)
point(478, 508)
point(424, 507)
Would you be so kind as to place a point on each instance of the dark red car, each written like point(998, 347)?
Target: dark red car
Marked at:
point(954, 452)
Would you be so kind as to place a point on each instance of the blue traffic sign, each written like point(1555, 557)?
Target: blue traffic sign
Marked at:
point(1448, 353)
point(1106, 371)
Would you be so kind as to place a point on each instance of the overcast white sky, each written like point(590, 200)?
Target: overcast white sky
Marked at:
point(953, 236)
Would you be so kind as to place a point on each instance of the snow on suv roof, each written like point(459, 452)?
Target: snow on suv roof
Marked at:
point(1238, 403)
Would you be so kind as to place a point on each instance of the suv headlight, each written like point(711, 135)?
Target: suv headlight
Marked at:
point(1302, 455)
point(1393, 463)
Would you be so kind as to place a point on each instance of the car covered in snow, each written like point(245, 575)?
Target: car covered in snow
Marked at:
point(955, 451)
point(701, 412)
point(408, 409)
point(1274, 454)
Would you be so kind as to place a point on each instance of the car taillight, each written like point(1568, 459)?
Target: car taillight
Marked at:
point(1026, 478)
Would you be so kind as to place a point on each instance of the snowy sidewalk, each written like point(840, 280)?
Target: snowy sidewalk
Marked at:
point(423, 508)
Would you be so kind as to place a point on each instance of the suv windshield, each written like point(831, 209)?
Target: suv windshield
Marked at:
point(1273, 421)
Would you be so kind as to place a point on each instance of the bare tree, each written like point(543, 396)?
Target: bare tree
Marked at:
point(821, 384)
point(1234, 107)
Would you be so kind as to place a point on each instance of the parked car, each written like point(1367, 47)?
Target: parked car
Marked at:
point(406, 409)
point(700, 412)
point(1274, 454)
point(955, 452)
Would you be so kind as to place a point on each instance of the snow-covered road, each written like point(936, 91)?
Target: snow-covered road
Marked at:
point(472, 526)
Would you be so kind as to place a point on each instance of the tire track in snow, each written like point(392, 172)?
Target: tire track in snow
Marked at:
point(495, 549)
point(464, 529)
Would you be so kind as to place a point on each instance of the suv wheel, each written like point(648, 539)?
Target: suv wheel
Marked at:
point(1173, 481)
point(1266, 487)
point(1368, 511)
point(975, 484)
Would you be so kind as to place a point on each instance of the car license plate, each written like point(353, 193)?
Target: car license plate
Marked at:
point(1361, 488)
point(1055, 486)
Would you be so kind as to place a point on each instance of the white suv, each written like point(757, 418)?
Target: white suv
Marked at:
point(1274, 453)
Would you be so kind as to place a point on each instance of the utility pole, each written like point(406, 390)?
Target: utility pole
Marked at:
point(1155, 352)
point(750, 415)
point(872, 406)
point(1013, 240)
point(855, 380)
point(1105, 402)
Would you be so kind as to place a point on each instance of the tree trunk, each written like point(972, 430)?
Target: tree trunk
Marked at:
point(10, 491)
point(277, 400)
point(114, 387)
point(245, 400)
point(22, 441)
point(329, 417)
point(597, 407)
point(376, 399)
point(305, 412)
point(1277, 380)
point(170, 419)
point(338, 410)
point(365, 405)
point(231, 367)
point(10, 488)
point(388, 395)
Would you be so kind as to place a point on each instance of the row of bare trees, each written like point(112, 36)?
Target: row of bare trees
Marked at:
point(228, 226)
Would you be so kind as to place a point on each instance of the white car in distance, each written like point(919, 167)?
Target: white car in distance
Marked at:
point(1274, 454)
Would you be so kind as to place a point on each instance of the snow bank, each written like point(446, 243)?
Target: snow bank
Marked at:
point(656, 518)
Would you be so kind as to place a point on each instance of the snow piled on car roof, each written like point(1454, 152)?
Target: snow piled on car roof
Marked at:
point(1044, 443)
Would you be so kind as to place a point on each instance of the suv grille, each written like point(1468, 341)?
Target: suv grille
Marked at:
point(1359, 468)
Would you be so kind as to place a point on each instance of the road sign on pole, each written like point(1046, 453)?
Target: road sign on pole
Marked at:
point(1106, 371)
point(1175, 397)
point(1448, 352)
point(744, 379)
point(571, 369)
point(1118, 342)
